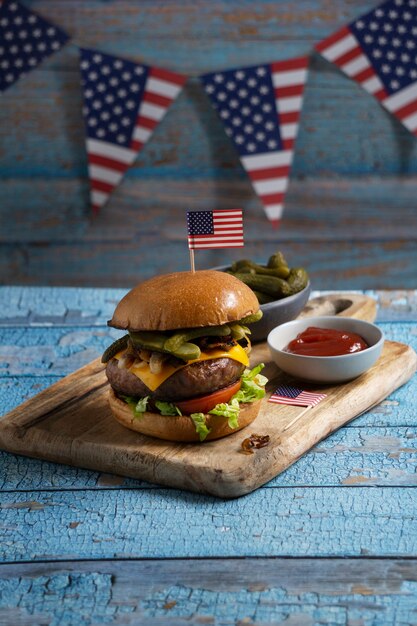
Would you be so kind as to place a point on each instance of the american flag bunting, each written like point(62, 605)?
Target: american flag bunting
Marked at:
point(123, 103)
point(260, 108)
point(26, 39)
point(294, 396)
point(379, 51)
point(215, 229)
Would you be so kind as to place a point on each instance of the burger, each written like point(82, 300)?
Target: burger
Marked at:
point(181, 372)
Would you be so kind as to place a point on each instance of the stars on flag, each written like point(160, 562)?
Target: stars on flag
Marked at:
point(245, 101)
point(26, 39)
point(379, 51)
point(113, 89)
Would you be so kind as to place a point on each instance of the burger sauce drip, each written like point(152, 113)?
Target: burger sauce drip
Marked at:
point(325, 342)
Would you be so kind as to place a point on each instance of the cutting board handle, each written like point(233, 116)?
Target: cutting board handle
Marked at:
point(343, 304)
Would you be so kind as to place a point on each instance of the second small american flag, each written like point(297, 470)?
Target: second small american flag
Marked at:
point(291, 395)
point(215, 229)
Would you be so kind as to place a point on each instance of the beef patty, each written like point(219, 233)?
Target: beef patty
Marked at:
point(196, 379)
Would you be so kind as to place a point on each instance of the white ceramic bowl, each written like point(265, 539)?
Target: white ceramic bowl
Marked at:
point(325, 369)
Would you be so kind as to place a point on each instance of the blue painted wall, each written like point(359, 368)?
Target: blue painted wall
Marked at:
point(350, 214)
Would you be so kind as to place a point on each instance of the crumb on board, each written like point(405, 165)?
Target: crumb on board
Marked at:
point(254, 441)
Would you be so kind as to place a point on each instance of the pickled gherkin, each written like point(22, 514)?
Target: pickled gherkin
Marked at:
point(250, 319)
point(249, 267)
point(148, 339)
point(187, 351)
point(272, 285)
point(297, 279)
point(179, 338)
point(272, 281)
point(277, 260)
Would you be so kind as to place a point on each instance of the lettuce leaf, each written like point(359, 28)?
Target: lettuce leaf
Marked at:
point(255, 374)
point(167, 408)
point(251, 390)
point(138, 406)
point(253, 385)
point(199, 421)
point(229, 410)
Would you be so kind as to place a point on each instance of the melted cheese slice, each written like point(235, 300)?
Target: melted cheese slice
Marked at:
point(153, 381)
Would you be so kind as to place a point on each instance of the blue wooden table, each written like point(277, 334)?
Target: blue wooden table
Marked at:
point(333, 540)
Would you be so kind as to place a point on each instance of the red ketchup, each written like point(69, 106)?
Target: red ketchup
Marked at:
point(325, 342)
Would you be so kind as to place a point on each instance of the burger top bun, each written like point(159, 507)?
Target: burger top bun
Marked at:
point(185, 300)
point(179, 427)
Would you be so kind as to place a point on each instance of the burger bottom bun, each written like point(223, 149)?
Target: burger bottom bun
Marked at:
point(179, 427)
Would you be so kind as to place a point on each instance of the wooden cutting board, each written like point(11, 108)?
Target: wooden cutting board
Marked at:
point(70, 422)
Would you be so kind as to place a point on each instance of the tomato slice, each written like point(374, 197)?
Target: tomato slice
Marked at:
point(203, 404)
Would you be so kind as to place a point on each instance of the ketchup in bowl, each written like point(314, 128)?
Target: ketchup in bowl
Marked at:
point(325, 342)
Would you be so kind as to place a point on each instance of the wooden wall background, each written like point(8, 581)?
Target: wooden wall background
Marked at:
point(350, 214)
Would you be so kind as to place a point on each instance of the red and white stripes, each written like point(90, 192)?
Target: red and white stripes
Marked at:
point(344, 50)
point(403, 105)
point(269, 172)
point(108, 162)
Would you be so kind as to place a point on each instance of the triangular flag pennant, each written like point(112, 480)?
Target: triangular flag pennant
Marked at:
point(260, 108)
point(26, 39)
point(123, 103)
point(379, 51)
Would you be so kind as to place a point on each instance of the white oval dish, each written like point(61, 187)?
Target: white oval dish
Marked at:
point(325, 369)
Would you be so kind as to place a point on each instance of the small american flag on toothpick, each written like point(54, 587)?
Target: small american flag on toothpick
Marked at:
point(293, 396)
point(215, 229)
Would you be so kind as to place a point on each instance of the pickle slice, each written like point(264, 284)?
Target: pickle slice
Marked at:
point(250, 319)
point(177, 339)
point(148, 339)
point(114, 348)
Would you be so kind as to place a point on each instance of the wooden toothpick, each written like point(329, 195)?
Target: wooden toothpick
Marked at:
point(296, 418)
point(192, 260)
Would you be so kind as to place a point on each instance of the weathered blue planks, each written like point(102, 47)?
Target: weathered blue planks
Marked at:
point(269, 522)
point(86, 598)
point(317, 211)
point(196, 21)
point(331, 265)
point(219, 592)
point(37, 306)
